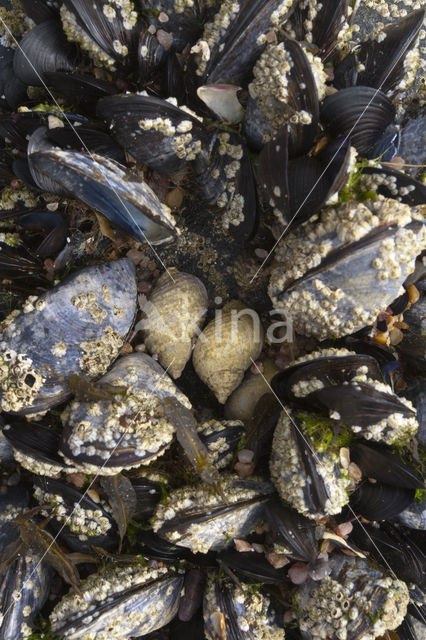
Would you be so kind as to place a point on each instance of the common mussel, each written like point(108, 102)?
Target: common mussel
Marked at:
point(212, 351)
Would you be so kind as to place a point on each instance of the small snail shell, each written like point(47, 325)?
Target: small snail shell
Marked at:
point(226, 348)
point(173, 315)
point(240, 405)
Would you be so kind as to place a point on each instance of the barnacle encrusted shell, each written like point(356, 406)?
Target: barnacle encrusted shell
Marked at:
point(294, 460)
point(335, 275)
point(131, 429)
point(204, 517)
point(119, 602)
point(226, 348)
point(238, 606)
point(221, 438)
point(78, 327)
point(173, 315)
point(358, 601)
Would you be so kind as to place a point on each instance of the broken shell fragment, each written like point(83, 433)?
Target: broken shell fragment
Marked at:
point(173, 316)
point(227, 347)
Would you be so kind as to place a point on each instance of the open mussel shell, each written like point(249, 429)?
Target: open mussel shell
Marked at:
point(153, 131)
point(305, 465)
point(173, 317)
point(36, 448)
point(379, 501)
point(75, 517)
point(277, 98)
point(44, 48)
point(235, 611)
point(24, 588)
point(123, 429)
point(108, 186)
point(204, 518)
point(382, 61)
point(357, 600)
point(106, 32)
point(293, 531)
point(393, 184)
point(361, 113)
point(329, 269)
point(78, 327)
point(235, 39)
point(382, 465)
point(120, 601)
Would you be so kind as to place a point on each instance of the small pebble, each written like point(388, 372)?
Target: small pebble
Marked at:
point(245, 456)
point(242, 545)
point(343, 529)
point(277, 560)
point(298, 573)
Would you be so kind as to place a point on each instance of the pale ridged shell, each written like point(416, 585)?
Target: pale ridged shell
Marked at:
point(174, 314)
point(240, 405)
point(227, 347)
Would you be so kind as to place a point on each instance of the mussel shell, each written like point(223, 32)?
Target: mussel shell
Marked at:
point(151, 55)
point(36, 448)
point(12, 503)
point(182, 21)
point(86, 137)
point(356, 601)
point(39, 10)
point(221, 439)
point(54, 227)
point(128, 429)
point(379, 463)
point(238, 612)
point(362, 113)
point(381, 58)
point(394, 184)
point(44, 48)
point(327, 22)
point(380, 501)
point(82, 522)
point(77, 327)
point(39, 141)
point(148, 494)
point(13, 92)
point(196, 518)
point(414, 516)
point(292, 529)
point(107, 186)
point(81, 90)
point(252, 566)
point(153, 131)
point(122, 601)
point(29, 577)
point(412, 349)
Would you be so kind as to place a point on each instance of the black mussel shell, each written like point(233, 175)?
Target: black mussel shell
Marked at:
point(86, 137)
point(13, 91)
point(29, 577)
point(39, 10)
point(272, 176)
point(13, 502)
point(261, 427)
point(416, 393)
point(80, 90)
point(76, 518)
point(221, 439)
point(414, 516)
point(108, 186)
point(39, 142)
point(182, 22)
point(153, 131)
point(380, 501)
point(393, 549)
point(18, 127)
point(293, 530)
point(77, 328)
point(151, 56)
point(379, 463)
point(159, 549)
point(251, 567)
point(35, 447)
point(44, 48)
point(327, 22)
point(148, 494)
point(233, 53)
point(124, 600)
point(53, 226)
point(23, 269)
point(192, 596)
point(394, 184)
point(382, 58)
point(361, 113)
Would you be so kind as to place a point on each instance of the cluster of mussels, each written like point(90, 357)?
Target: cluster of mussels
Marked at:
point(173, 463)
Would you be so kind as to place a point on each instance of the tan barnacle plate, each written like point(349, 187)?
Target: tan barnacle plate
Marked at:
point(305, 464)
point(126, 431)
point(24, 588)
point(358, 601)
point(221, 438)
point(237, 611)
point(104, 184)
point(119, 602)
point(226, 348)
point(334, 275)
point(173, 317)
point(78, 327)
point(204, 517)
